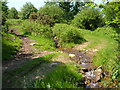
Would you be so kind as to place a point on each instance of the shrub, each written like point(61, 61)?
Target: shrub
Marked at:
point(67, 33)
point(54, 11)
point(88, 19)
point(36, 29)
point(42, 19)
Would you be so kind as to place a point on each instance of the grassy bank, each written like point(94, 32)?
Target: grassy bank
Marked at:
point(10, 46)
point(106, 40)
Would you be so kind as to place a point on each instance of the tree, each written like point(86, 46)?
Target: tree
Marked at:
point(3, 15)
point(13, 13)
point(54, 11)
point(27, 9)
point(4, 7)
point(89, 18)
point(66, 6)
point(112, 13)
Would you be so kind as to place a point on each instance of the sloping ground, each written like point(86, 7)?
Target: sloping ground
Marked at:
point(29, 64)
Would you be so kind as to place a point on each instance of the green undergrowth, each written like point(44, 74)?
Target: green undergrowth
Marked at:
point(65, 76)
point(10, 46)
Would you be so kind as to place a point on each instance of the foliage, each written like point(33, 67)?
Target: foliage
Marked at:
point(3, 15)
point(65, 76)
point(27, 9)
point(54, 11)
point(10, 46)
point(67, 33)
point(33, 28)
point(14, 22)
point(4, 8)
point(112, 13)
point(42, 19)
point(89, 18)
point(13, 13)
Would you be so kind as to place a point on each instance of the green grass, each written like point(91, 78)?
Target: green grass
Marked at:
point(10, 46)
point(44, 43)
point(107, 38)
point(65, 76)
point(36, 62)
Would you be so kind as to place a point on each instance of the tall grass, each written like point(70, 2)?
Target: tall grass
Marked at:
point(10, 46)
point(65, 76)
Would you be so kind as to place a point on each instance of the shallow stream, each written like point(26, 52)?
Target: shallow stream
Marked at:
point(92, 75)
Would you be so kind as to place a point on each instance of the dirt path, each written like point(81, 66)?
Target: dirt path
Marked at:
point(24, 55)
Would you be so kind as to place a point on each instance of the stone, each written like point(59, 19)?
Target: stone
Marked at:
point(98, 73)
point(32, 44)
point(71, 55)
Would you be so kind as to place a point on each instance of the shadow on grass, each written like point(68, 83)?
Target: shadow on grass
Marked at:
point(10, 77)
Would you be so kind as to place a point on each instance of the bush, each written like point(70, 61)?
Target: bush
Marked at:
point(42, 19)
point(54, 11)
point(36, 29)
point(67, 33)
point(88, 19)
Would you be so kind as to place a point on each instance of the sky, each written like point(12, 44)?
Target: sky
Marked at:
point(18, 4)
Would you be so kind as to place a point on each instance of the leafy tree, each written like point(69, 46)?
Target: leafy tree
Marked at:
point(4, 11)
point(13, 13)
point(89, 18)
point(112, 13)
point(66, 6)
point(54, 11)
point(27, 9)
point(3, 15)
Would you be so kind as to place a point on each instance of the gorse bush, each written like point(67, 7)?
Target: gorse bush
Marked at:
point(67, 33)
point(88, 19)
point(33, 28)
point(42, 19)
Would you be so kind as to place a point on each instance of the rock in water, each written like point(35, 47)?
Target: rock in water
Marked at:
point(71, 55)
point(98, 73)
